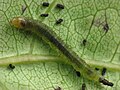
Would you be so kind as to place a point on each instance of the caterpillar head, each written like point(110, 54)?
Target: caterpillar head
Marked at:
point(18, 22)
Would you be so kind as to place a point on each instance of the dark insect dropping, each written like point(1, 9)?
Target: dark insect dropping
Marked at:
point(96, 69)
point(105, 82)
point(58, 88)
point(59, 21)
point(83, 86)
point(44, 15)
point(103, 71)
point(60, 6)
point(84, 42)
point(106, 27)
point(11, 66)
point(78, 73)
point(46, 4)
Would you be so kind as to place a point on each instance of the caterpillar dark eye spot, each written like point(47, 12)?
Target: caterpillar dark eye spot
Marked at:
point(44, 15)
point(58, 88)
point(11, 66)
point(59, 21)
point(23, 9)
point(78, 73)
point(103, 71)
point(84, 42)
point(83, 86)
point(46, 4)
point(106, 27)
point(60, 6)
point(23, 23)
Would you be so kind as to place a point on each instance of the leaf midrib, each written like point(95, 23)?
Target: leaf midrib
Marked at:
point(29, 58)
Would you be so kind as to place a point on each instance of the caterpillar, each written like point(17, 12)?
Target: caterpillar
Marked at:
point(43, 30)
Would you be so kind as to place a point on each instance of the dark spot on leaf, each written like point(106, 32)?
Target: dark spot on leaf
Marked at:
point(83, 86)
point(103, 71)
point(84, 42)
point(58, 88)
point(96, 69)
point(105, 82)
point(46, 4)
point(44, 15)
point(106, 27)
point(11, 66)
point(59, 21)
point(60, 6)
point(78, 73)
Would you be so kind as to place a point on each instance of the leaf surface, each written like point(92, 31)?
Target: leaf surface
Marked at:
point(38, 65)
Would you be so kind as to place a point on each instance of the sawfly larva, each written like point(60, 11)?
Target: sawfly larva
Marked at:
point(43, 30)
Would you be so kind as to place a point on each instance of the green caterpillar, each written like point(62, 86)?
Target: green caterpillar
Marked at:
point(41, 29)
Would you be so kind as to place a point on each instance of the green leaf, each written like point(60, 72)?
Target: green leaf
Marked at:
point(39, 66)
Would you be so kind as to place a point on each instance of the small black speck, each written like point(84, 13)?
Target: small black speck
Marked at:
point(59, 21)
point(44, 15)
point(83, 86)
point(84, 42)
point(58, 88)
point(60, 6)
point(106, 27)
point(46, 4)
point(103, 71)
point(78, 73)
point(97, 69)
point(11, 66)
